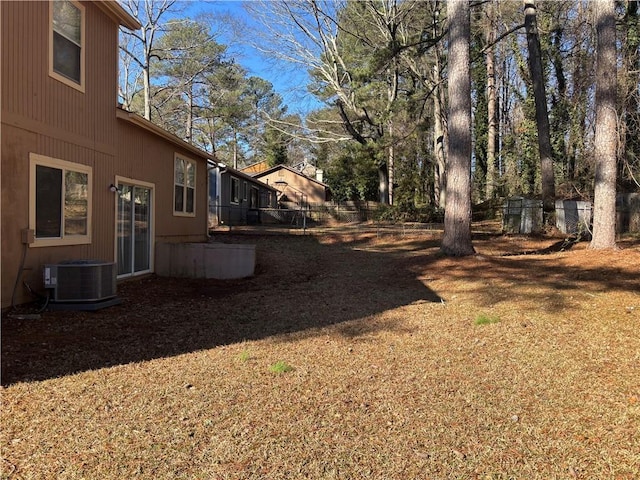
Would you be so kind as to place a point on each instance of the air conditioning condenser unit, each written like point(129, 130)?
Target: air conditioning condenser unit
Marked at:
point(81, 281)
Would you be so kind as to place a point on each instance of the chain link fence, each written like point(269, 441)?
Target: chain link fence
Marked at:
point(518, 215)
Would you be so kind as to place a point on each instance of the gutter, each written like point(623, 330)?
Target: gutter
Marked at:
point(116, 12)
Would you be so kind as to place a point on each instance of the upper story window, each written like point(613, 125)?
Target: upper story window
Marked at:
point(67, 42)
point(184, 199)
point(59, 201)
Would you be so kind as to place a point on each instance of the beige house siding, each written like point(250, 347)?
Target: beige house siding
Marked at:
point(43, 116)
point(141, 156)
point(17, 145)
point(146, 157)
point(30, 94)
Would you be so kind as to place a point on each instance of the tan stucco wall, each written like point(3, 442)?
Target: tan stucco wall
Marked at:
point(315, 193)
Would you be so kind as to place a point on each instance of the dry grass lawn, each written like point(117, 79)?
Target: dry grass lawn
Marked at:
point(405, 365)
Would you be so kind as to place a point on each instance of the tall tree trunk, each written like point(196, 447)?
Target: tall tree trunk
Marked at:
point(383, 187)
point(188, 130)
point(491, 104)
point(457, 218)
point(604, 211)
point(439, 126)
point(542, 115)
point(393, 76)
point(440, 174)
point(146, 85)
point(235, 148)
point(631, 102)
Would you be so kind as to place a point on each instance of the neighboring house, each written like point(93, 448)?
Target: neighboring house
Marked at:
point(309, 170)
point(81, 178)
point(255, 168)
point(235, 197)
point(294, 186)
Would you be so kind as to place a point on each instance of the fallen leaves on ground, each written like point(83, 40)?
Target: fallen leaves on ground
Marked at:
point(391, 377)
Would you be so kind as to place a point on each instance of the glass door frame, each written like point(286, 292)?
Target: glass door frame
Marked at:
point(151, 187)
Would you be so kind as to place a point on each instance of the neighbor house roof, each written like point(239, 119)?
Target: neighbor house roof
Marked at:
point(252, 178)
point(256, 168)
point(286, 167)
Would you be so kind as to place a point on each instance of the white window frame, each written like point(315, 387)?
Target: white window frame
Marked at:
point(59, 76)
point(41, 160)
point(185, 186)
point(245, 188)
point(235, 200)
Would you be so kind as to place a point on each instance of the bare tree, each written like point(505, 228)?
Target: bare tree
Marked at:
point(137, 47)
point(629, 168)
point(542, 115)
point(329, 39)
point(604, 214)
point(492, 101)
point(457, 218)
point(439, 138)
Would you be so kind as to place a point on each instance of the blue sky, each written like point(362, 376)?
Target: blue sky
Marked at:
point(290, 85)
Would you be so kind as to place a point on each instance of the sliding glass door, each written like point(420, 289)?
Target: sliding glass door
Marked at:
point(134, 238)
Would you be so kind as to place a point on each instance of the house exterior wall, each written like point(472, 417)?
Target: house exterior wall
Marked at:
point(145, 157)
point(314, 192)
point(33, 100)
point(224, 211)
point(43, 116)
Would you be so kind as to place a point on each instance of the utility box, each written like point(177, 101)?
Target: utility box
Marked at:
point(628, 213)
point(573, 216)
point(81, 281)
point(522, 215)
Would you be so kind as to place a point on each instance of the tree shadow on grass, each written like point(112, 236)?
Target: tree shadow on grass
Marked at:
point(300, 285)
point(553, 283)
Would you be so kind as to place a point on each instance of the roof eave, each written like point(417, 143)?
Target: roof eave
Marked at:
point(119, 14)
point(273, 169)
point(151, 127)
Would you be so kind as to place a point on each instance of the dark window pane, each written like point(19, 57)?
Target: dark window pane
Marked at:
point(179, 200)
point(66, 57)
point(190, 197)
point(48, 202)
point(235, 194)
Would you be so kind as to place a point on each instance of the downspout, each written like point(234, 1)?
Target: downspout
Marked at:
point(206, 217)
point(220, 169)
point(219, 194)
